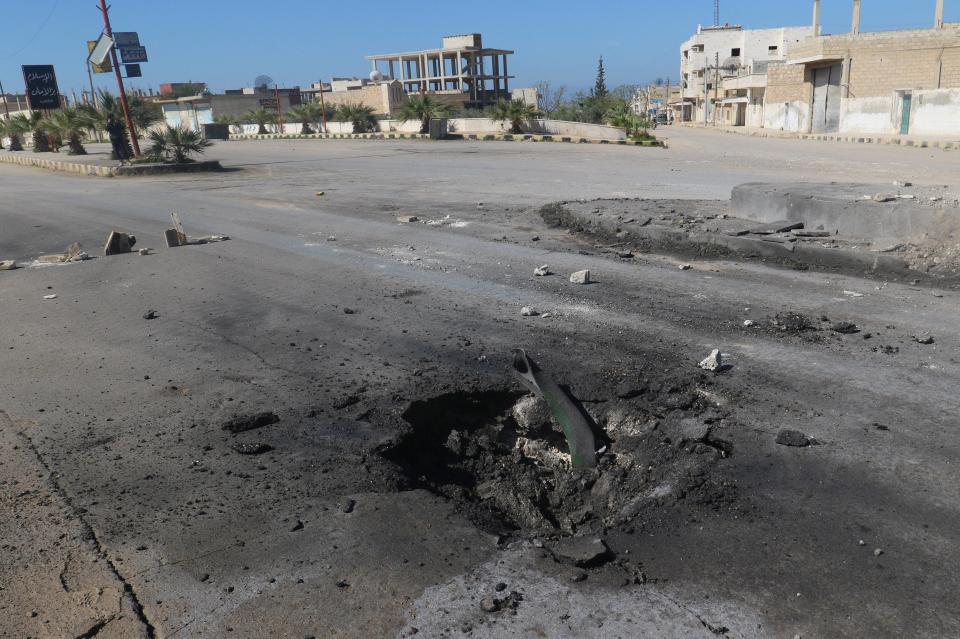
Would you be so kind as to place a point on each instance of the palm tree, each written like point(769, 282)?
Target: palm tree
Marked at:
point(516, 112)
point(424, 108)
point(11, 129)
point(261, 117)
point(176, 144)
point(72, 124)
point(36, 125)
point(305, 114)
point(110, 117)
point(360, 115)
point(624, 118)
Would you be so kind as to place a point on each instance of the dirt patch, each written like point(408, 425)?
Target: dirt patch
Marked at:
point(500, 458)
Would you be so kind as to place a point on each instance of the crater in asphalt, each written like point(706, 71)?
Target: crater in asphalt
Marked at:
point(499, 457)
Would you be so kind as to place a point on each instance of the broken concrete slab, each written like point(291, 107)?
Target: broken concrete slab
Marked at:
point(542, 271)
point(8, 265)
point(408, 219)
point(529, 311)
point(119, 243)
point(924, 339)
point(172, 238)
point(243, 423)
point(580, 277)
point(584, 552)
point(713, 362)
point(779, 226)
point(531, 413)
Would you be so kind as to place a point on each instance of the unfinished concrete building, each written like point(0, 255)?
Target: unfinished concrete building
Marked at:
point(462, 69)
point(886, 82)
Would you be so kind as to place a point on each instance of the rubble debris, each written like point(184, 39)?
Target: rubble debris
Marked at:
point(542, 271)
point(321, 193)
point(625, 255)
point(906, 196)
point(529, 311)
point(902, 183)
point(575, 427)
point(713, 363)
point(8, 265)
point(580, 277)
point(347, 506)
point(172, 238)
point(243, 423)
point(408, 219)
point(584, 552)
point(119, 243)
point(749, 323)
point(793, 322)
point(877, 552)
point(852, 294)
point(257, 448)
point(803, 233)
point(924, 339)
point(144, 251)
point(297, 526)
point(331, 238)
point(55, 258)
point(772, 228)
point(845, 328)
point(490, 604)
point(531, 414)
point(151, 314)
point(882, 197)
point(685, 267)
point(209, 239)
point(794, 438)
point(52, 296)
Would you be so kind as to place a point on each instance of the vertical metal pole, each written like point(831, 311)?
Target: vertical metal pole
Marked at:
point(323, 108)
point(706, 96)
point(276, 96)
point(123, 94)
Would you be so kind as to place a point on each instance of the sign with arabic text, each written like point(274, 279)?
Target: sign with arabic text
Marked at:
point(133, 55)
point(41, 83)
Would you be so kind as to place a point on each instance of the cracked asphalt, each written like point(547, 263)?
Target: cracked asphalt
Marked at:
point(128, 511)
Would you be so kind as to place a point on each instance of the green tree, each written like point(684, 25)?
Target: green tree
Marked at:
point(516, 112)
point(623, 117)
point(360, 115)
point(600, 88)
point(72, 125)
point(11, 128)
point(36, 125)
point(144, 113)
point(176, 145)
point(262, 117)
point(109, 117)
point(305, 114)
point(424, 108)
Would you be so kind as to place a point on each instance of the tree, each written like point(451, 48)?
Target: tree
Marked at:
point(176, 145)
point(516, 112)
point(623, 117)
point(72, 125)
point(360, 115)
point(305, 114)
point(548, 98)
point(110, 118)
point(600, 88)
point(34, 124)
point(262, 117)
point(11, 129)
point(424, 108)
point(144, 113)
point(229, 120)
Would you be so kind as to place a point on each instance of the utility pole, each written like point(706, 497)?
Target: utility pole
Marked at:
point(276, 95)
point(323, 108)
point(706, 94)
point(716, 88)
point(116, 67)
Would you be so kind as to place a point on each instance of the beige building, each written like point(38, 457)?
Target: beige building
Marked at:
point(887, 82)
point(462, 68)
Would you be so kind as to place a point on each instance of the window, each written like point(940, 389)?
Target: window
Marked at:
point(735, 53)
point(773, 49)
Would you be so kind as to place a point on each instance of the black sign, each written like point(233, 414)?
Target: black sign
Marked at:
point(41, 83)
point(133, 71)
point(133, 55)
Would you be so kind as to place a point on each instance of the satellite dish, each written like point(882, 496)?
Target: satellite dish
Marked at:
point(376, 76)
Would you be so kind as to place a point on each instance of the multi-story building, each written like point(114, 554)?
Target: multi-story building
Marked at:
point(462, 69)
point(725, 66)
point(886, 82)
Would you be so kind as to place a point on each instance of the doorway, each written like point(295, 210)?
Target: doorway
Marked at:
point(906, 106)
point(826, 98)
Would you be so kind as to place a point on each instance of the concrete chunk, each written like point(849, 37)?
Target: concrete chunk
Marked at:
point(172, 238)
point(119, 243)
point(580, 277)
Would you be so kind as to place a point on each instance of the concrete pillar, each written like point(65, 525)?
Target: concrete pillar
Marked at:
point(856, 17)
point(506, 76)
point(460, 71)
point(816, 17)
point(938, 19)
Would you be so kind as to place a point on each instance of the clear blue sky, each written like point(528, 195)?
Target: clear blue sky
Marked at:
point(227, 44)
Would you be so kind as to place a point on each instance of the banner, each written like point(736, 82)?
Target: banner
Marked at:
point(41, 83)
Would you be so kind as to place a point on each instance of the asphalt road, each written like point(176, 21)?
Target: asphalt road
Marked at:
point(128, 512)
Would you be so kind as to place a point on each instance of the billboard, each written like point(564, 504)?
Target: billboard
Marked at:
point(106, 67)
point(133, 71)
point(41, 83)
point(133, 55)
point(126, 39)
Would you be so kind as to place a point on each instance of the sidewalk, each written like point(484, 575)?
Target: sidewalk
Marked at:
point(945, 143)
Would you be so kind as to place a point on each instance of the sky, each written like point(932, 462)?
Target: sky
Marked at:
point(227, 43)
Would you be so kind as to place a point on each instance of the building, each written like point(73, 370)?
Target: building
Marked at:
point(13, 104)
point(194, 111)
point(384, 97)
point(462, 69)
point(885, 83)
point(171, 90)
point(723, 71)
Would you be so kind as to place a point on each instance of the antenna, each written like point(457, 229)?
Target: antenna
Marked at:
point(716, 13)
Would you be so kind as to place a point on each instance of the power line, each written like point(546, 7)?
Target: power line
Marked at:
point(32, 38)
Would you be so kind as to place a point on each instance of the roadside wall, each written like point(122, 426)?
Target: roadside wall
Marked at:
point(787, 102)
